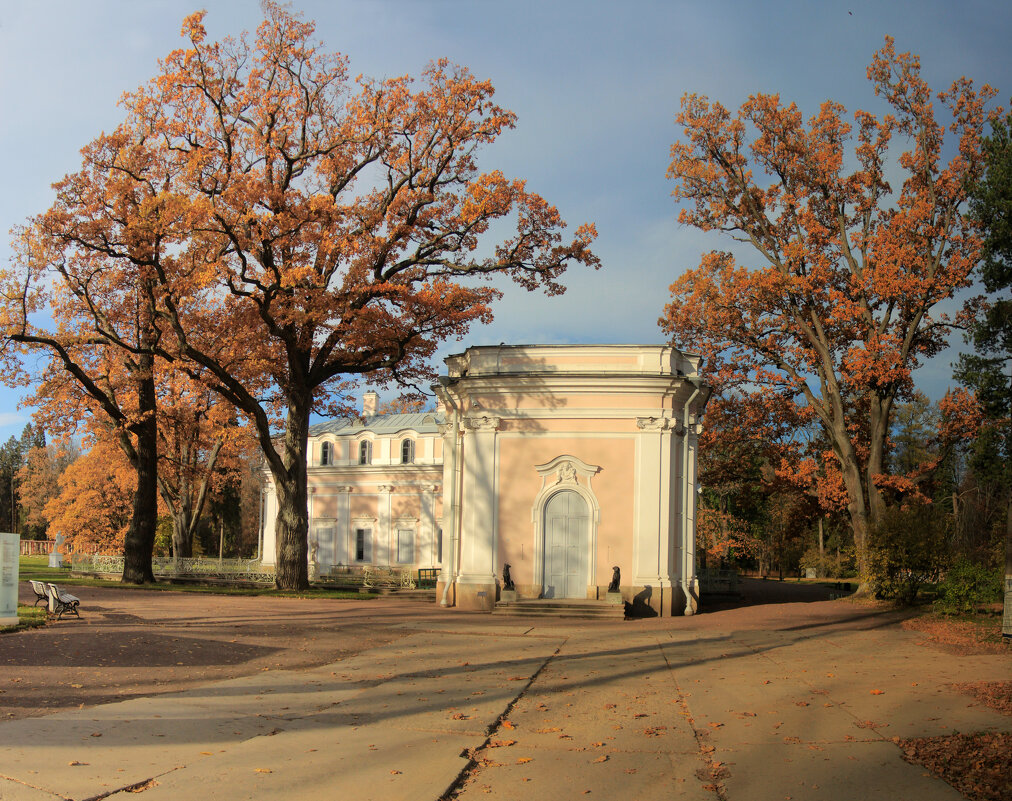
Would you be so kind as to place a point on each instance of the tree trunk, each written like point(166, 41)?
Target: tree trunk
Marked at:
point(822, 549)
point(879, 413)
point(1006, 624)
point(139, 543)
point(292, 522)
point(182, 533)
point(858, 511)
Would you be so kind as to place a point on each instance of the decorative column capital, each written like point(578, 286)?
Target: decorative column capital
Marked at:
point(387, 488)
point(345, 489)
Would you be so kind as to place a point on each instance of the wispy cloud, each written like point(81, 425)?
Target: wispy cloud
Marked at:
point(12, 419)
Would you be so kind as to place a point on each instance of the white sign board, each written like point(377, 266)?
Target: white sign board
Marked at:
point(9, 553)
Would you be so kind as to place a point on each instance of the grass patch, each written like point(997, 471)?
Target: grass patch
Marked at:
point(29, 617)
point(37, 568)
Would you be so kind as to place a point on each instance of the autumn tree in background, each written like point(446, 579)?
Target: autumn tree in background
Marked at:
point(94, 506)
point(744, 434)
point(334, 228)
point(843, 302)
point(200, 445)
point(14, 455)
point(39, 483)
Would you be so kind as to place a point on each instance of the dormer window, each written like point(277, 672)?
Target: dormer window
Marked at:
point(365, 452)
point(327, 454)
point(407, 451)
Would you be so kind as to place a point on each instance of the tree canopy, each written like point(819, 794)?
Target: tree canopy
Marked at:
point(843, 303)
point(290, 228)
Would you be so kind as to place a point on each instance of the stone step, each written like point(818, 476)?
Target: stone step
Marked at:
point(570, 608)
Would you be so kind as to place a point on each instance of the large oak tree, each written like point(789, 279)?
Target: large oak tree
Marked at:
point(336, 228)
point(843, 300)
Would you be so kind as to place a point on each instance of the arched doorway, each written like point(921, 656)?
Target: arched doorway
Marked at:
point(566, 527)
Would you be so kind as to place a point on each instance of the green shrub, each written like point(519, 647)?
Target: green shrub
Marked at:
point(908, 549)
point(840, 563)
point(969, 585)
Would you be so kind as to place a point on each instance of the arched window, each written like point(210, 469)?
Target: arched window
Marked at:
point(365, 452)
point(327, 453)
point(407, 451)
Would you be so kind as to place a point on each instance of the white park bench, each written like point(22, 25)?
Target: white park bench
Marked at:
point(60, 602)
point(40, 590)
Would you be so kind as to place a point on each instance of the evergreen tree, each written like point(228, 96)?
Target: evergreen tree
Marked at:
point(989, 369)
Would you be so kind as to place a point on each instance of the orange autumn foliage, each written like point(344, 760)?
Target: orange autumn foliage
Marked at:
point(93, 508)
point(39, 481)
point(843, 300)
point(317, 227)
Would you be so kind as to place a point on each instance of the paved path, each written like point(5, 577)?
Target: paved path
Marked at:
point(772, 703)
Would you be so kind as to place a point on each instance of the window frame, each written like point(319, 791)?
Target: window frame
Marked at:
point(410, 541)
point(365, 534)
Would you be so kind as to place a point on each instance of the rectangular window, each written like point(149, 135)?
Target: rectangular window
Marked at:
point(362, 545)
point(439, 546)
point(405, 546)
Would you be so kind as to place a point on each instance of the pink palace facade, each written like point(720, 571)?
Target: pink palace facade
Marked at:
point(560, 460)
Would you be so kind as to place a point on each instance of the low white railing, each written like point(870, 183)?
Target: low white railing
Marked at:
point(713, 580)
point(197, 568)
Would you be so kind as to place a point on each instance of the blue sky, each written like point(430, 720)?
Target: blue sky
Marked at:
point(596, 86)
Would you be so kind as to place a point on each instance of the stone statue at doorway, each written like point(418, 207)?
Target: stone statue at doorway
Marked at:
point(507, 579)
point(616, 580)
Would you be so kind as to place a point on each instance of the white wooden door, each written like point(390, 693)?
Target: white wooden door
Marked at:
point(566, 543)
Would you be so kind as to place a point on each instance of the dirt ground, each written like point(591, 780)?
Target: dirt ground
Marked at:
point(131, 643)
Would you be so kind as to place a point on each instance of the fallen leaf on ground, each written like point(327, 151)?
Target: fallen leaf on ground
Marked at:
point(975, 764)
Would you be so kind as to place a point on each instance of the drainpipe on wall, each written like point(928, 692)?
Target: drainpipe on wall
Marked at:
point(456, 455)
point(689, 559)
